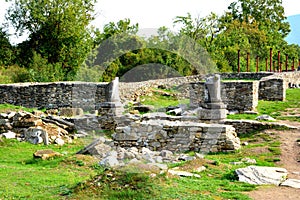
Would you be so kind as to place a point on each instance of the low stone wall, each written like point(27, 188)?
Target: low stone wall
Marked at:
point(177, 136)
point(273, 88)
point(251, 126)
point(239, 96)
point(54, 95)
point(246, 75)
point(131, 91)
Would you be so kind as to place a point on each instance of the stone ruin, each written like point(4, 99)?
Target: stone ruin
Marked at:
point(159, 131)
point(213, 108)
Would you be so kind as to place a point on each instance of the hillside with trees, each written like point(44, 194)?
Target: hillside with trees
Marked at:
point(63, 46)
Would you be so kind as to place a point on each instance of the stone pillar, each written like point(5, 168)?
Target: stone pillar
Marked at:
point(113, 105)
point(213, 107)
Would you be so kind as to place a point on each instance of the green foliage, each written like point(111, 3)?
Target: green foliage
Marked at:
point(58, 32)
point(7, 54)
point(13, 74)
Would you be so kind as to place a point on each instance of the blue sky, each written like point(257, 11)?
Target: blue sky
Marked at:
point(157, 13)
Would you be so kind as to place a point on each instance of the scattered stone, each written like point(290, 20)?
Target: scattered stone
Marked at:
point(251, 112)
point(144, 108)
point(245, 143)
point(262, 175)
point(166, 154)
point(176, 112)
point(236, 163)
point(46, 154)
point(233, 112)
point(36, 135)
point(9, 135)
point(183, 173)
point(200, 169)
point(294, 183)
point(59, 141)
point(70, 112)
point(110, 161)
point(265, 118)
point(249, 161)
point(186, 158)
point(199, 155)
point(26, 120)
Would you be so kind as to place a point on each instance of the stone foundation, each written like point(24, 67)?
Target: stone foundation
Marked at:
point(177, 136)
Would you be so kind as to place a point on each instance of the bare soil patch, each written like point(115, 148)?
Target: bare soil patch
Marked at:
point(290, 160)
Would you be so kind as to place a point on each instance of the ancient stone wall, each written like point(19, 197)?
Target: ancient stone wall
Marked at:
point(177, 136)
point(132, 90)
point(239, 96)
point(273, 88)
point(54, 95)
point(245, 75)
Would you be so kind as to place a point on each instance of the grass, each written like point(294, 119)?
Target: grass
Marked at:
point(275, 108)
point(73, 177)
point(79, 177)
point(10, 107)
point(162, 98)
point(24, 177)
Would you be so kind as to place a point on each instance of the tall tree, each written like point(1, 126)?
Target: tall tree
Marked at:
point(268, 14)
point(58, 30)
point(7, 50)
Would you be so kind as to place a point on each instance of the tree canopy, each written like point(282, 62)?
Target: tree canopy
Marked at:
point(62, 44)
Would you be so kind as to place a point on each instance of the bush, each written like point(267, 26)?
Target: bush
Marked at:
point(13, 74)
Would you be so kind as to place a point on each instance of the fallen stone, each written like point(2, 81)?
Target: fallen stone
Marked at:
point(144, 108)
point(262, 175)
point(200, 169)
point(265, 117)
point(166, 154)
point(236, 163)
point(59, 141)
point(70, 112)
point(183, 173)
point(186, 158)
point(249, 161)
point(26, 120)
point(199, 155)
point(36, 135)
point(110, 161)
point(9, 135)
point(294, 183)
point(160, 166)
point(176, 112)
point(46, 154)
point(251, 112)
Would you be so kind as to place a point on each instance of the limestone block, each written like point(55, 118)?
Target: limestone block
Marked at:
point(262, 175)
point(36, 135)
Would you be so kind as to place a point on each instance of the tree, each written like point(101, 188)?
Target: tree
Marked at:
point(58, 31)
point(268, 14)
point(7, 50)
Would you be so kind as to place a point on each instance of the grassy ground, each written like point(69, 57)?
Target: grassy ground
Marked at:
point(79, 177)
point(275, 108)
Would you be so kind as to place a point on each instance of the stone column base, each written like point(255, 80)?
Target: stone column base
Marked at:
point(212, 114)
point(110, 108)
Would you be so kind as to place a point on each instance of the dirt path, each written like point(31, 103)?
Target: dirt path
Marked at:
point(290, 160)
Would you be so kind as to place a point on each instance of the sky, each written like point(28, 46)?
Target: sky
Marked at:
point(152, 14)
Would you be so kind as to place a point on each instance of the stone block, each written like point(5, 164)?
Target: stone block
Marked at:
point(212, 114)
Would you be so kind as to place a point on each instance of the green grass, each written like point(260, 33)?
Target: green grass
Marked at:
point(73, 177)
point(24, 177)
point(274, 108)
point(163, 98)
point(10, 107)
